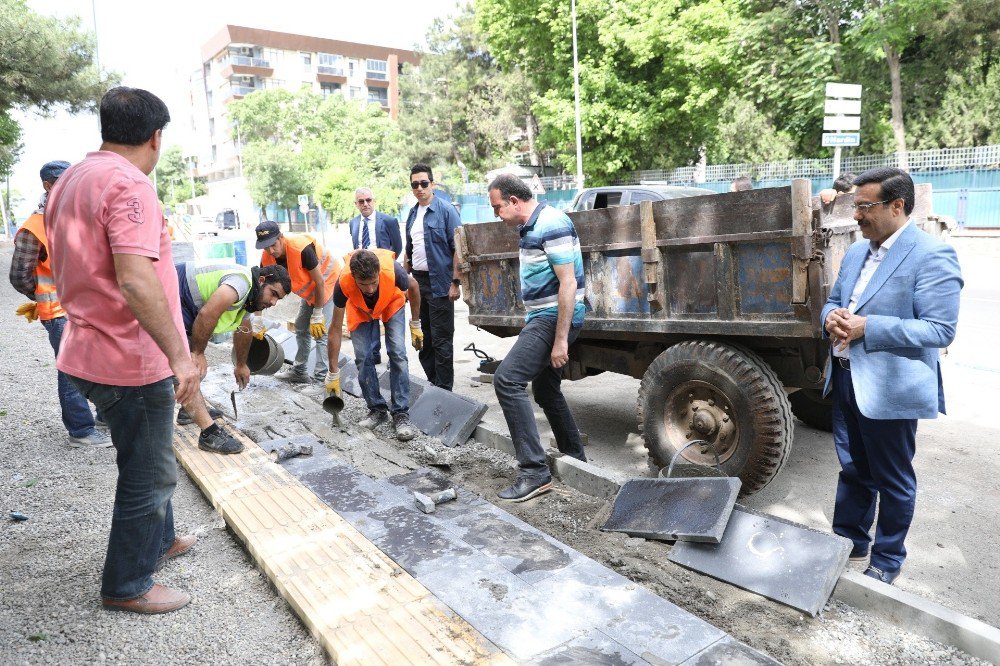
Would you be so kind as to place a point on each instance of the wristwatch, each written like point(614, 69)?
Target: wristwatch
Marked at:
point(456, 282)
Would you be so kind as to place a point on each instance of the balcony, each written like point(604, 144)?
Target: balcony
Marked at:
point(247, 61)
point(329, 70)
point(376, 83)
point(237, 92)
point(247, 65)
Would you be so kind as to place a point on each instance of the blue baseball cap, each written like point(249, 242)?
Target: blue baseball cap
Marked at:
point(52, 170)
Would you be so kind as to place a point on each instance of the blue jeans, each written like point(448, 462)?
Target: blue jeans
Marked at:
point(305, 340)
point(399, 367)
point(529, 360)
point(76, 414)
point(141, 421)
point(876, 460)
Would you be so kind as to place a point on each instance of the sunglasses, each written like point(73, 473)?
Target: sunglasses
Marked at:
point(420, 183)
point(365, 201)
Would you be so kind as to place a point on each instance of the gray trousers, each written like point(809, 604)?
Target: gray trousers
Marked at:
point(305, 340)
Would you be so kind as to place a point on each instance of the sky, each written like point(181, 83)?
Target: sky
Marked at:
point(157, 45)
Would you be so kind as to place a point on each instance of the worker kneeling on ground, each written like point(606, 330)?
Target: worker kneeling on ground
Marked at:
point(313, 271)
point(374, 288)
point(218, 298)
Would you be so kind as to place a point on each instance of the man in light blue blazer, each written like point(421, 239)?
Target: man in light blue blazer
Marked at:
point(370, 230)
point(893, 306)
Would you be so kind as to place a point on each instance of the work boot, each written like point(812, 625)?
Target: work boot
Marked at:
point(217, 440)
point(524, 489)
point(375, 418)
point(159, 599)
point(95, 440)
point(293, 376)
point(404, 429)
point(183, 418)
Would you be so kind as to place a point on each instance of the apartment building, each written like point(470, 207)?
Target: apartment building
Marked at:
point(238, 61)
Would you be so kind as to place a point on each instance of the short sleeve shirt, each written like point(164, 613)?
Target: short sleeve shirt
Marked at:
point(101, 207)
point(549, 239)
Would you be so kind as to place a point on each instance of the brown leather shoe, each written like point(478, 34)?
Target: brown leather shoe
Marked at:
point(181, 545)
point(159, 599)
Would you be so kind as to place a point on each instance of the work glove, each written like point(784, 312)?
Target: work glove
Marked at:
point(416, 335)
point(317, 324)
point(332, 384)
point(260, 326)
point(28, 310)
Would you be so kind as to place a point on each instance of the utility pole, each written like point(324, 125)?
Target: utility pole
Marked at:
point(576, 99)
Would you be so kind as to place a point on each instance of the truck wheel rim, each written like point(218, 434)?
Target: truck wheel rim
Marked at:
point(698, 410)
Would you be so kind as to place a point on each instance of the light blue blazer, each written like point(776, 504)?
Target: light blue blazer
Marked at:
point(911, 305)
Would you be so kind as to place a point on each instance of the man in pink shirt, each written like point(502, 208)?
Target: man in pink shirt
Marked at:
point(124, 346)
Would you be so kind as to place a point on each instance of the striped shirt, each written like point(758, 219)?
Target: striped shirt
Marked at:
point(549, 239)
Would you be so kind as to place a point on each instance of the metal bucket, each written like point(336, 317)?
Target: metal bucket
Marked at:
point(332, 404)
point(265, 357)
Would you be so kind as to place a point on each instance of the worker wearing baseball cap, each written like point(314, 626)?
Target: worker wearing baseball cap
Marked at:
point(31, 274)
point(314, 272)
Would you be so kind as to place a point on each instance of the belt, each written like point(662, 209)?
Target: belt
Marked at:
point(845, 363)
point(417, 273)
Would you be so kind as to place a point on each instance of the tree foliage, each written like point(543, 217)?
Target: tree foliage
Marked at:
point(174, 182)
point(45, 62)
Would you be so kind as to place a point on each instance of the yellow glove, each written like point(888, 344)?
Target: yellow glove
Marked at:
point(416, 335)
point(28, 310)
point(317, 325)
point(260, 333)
point(332, 384)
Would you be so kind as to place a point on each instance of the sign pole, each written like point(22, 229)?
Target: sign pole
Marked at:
point(836, 162)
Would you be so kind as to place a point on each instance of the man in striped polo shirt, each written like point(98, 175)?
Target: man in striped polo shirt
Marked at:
point(552, 287)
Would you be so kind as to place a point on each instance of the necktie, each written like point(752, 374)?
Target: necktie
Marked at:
point(366, 239)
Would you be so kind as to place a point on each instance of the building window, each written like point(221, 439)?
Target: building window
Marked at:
point(272, 84)
point(327, 89)
point(350, 67)
point(356, 92)
point(332, 64)
point(211, 126)
point(307, 60)
point(215, 153)
point(274, 55)
point(378, 96)
point(208, 98)
point(378, 69)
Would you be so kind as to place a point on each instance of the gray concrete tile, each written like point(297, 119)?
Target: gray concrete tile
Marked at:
point(418, 543)
point(773, 557)
point(450, 417)
point(594, 649)
point(354, 496)
point(695, 509)
point(730, 652)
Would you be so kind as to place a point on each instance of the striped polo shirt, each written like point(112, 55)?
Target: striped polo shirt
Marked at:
point(548, 239)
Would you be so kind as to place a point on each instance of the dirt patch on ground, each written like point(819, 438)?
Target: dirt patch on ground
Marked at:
point(270, 408)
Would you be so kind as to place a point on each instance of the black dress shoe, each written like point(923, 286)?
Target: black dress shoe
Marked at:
point(858, 555)
point(886, 577)
point(524, 489)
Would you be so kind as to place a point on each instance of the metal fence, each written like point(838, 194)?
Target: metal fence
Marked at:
point(918, 160)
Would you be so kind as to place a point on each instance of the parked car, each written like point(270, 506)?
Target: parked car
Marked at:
point(202, 225)
point(228, 219)
point(627, 195)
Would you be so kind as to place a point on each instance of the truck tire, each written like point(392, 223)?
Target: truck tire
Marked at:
point(813, 409)
point(725, 395)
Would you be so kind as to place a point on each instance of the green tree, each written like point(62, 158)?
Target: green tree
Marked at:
point(274, 174)
point(745, 135)
point(173, 178)
point(45, 62)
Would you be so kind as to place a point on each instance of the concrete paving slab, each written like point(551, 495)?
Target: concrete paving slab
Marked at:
point(417, 542)
point(349, 375)
point(594, 649)
point(773, 557)
point(450, 417)
point(729, 652)
point(694, 509)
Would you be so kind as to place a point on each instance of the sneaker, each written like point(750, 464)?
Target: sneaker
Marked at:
point(404, 429)
point(95, 440)
point(217, 440)
point(375, 418)
point(293, 376)
point(524, 489)
point(183, 418)
point(886, 577)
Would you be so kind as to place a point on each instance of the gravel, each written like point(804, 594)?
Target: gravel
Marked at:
point(50, 565)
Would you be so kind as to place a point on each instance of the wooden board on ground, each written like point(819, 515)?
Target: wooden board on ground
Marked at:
point(360, 605)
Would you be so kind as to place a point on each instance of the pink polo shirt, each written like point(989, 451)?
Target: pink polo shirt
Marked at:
point(100, 207)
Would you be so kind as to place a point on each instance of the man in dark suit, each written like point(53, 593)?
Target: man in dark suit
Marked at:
point(893, 306)
point(371, 230)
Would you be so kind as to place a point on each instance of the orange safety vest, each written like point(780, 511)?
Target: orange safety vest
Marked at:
point(302, 282)
point(390, 297)
point(46, 298)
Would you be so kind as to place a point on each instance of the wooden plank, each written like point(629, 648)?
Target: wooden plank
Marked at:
point(802, 232)
point(359, 604)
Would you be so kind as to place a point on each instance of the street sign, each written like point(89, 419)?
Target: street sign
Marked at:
point(846, 107)
point(841, 139)
point(850, 90)
point(303, 200)
point(841, 123)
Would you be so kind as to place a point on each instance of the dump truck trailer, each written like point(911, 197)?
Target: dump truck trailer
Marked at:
point(712, 301)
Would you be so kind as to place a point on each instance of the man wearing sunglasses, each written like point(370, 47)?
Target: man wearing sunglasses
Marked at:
point(430, 257)
point(371, 230)
point(894, 304)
